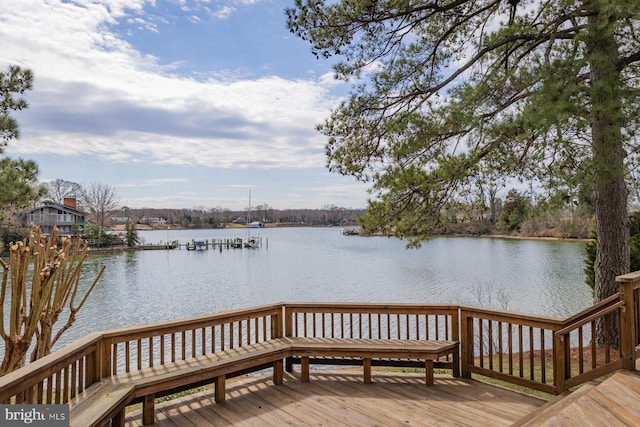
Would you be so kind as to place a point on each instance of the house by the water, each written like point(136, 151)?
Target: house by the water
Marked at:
point(65, 216)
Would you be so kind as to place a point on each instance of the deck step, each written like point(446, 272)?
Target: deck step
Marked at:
point(552, 407)
point(615, 401)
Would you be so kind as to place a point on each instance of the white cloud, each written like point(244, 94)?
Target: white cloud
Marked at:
point(95, 94)
point(224, 12)
point(112, 113)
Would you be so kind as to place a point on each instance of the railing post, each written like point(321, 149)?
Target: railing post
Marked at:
point(277, 324)
point(559, 362)
point(288, 322)
point(466, 343)
point(97, 364)
point(455, 336)
point(628, 318)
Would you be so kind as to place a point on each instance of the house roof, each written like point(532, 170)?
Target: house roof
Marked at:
point(60, 206)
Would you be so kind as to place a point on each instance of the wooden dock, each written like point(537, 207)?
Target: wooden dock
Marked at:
point(206, 244)
point(235, 243)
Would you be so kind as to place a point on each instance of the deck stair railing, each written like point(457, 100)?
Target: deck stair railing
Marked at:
point(507, 346)
point(580, 356)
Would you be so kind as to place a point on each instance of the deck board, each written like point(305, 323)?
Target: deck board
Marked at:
point(338, 397)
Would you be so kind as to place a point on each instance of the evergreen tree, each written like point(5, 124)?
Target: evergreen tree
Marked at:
point(131, 234)
point(13, 83)
point(526, 87)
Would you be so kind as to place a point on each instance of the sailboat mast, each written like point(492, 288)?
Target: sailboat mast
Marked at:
point(249, 213)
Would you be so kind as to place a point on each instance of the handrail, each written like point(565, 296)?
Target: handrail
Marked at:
point(589, 310)
point(505, 315)
point(588, 318)
point(189, 322)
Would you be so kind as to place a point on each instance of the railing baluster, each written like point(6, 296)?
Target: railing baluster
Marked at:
point(481, 333)
point(580, 351)
point(114, 359)
point(49, 399)
point(521, 352)
point(543, 358)
point(531, 354)
point(426, 325)
point(59, 388)
point(510, 344)
point(74, 378)
point(446, 327)
point(173, 347)
point(265, 329)
point(222, 338)
point(151, 351)
point(81, 376)
point(500, 349)
point(607, 338)
point(333, 328)
point(350, 325)
point(183, 345)
point(40, 393)
point(314, 325)
point(162, 348)
point(490, 339)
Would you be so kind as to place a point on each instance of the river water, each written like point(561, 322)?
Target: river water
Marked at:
point(322, 265)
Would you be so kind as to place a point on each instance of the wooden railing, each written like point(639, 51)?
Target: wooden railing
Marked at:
point(67, 371)
point(379, 321)
point(131, 349)
point(511, 347)
point(542, 353)
point(579, 356)
point(374, 321)
point(59, 376)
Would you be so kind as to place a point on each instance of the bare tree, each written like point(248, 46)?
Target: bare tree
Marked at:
point(59, 189)
point(100, 200)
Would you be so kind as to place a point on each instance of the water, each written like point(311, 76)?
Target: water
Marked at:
point(322, 265)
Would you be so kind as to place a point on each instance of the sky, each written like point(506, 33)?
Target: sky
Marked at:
point(176, 103)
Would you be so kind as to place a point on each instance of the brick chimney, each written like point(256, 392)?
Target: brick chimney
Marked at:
point(70, 202)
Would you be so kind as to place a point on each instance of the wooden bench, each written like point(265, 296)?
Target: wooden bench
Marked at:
point(107, 399)
point(369, 349)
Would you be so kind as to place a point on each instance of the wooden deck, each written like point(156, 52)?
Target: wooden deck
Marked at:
point(339, 398)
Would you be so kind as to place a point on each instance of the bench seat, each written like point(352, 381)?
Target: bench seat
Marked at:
point(99, 403)
point(368, 349)
point(106, 399)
